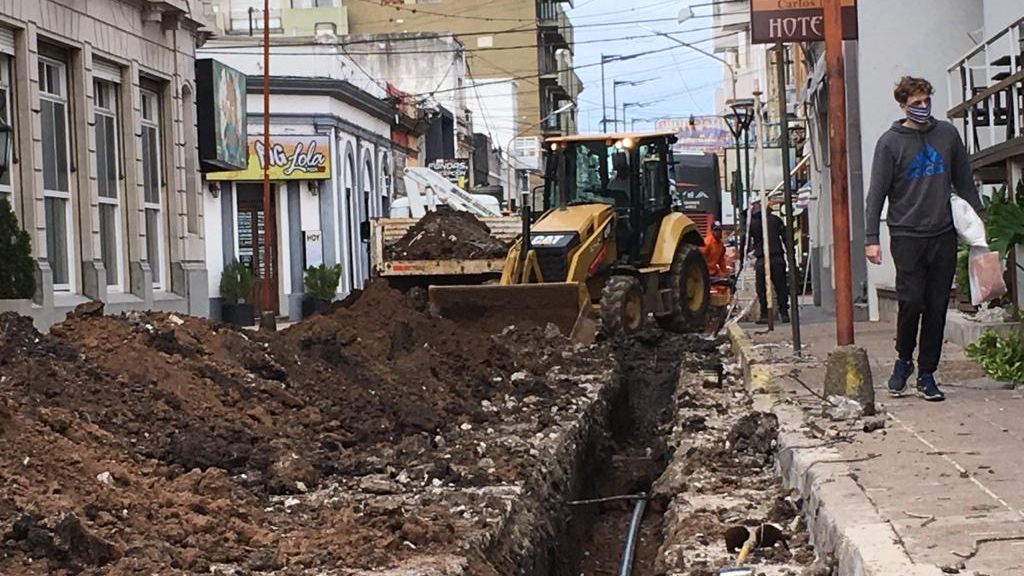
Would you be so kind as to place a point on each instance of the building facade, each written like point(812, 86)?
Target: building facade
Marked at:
point(104, 152)
point(525, 45)
point(337, 140)
point(340, 137)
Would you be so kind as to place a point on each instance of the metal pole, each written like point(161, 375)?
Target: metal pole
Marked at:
point(615, 108)
point(604, 100)
point(787, 190)
point(267, 319)
point(764, 209)
point(746, 166)
point(837, 151)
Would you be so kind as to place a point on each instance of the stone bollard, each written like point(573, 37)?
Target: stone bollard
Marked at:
point(848, 374)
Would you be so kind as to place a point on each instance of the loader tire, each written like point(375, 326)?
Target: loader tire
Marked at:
point(622, 307)
point(690, 286)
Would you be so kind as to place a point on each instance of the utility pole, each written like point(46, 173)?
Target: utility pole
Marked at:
point(836, 74)
point(604, 100)
point(787, 189)
point(267, 316)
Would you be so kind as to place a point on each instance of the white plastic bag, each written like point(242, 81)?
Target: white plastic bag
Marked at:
point(986, 274)
point(968, 224)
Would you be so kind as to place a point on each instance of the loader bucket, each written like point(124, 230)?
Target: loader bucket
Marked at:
point(491, 308)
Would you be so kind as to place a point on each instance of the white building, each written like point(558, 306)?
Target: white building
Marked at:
point(102, 106)
point(311, 103)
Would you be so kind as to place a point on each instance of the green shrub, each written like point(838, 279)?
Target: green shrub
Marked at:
point(322, 281)
point(17, 270)
point(963, 277)
point(236, 282)
point(1002, 358)
point(1005, 225)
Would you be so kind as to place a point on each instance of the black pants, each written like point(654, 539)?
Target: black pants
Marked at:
point(925, 268)
point(780, 281)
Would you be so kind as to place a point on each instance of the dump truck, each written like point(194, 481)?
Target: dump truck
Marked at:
point(428, 192)
point(608, 247)
point(386, 231)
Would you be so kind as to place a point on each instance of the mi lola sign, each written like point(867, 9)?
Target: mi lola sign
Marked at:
point(774, 21)
point(291, 158)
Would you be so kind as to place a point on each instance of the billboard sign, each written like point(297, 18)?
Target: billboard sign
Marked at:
point(774, 21)
point(455, 170)
point(707, 134)
point(291, 158)
point(220, 105)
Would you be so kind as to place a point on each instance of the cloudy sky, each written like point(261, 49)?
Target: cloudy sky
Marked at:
point(680, 81)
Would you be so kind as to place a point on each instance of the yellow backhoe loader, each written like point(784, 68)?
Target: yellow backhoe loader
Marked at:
point(609, 246)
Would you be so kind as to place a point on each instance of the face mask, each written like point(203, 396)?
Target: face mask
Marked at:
point(919, 114)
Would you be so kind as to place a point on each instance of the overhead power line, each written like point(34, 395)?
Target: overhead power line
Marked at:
point(403, 8)
point(251, 46)
point(622, 58)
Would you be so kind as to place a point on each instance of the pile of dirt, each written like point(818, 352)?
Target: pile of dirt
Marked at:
point(447, 234)
point(148, 441)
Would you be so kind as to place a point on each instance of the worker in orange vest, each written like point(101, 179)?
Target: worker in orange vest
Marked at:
point(714, 252)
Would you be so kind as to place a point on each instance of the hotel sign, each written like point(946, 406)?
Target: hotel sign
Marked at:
point(796, 20)
point(291, 158)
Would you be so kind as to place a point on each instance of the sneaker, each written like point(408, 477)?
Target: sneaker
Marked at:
point(784, 316)
point(898, 381)
point(928, 389)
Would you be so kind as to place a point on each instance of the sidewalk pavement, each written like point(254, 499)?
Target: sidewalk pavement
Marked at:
point(948, 478)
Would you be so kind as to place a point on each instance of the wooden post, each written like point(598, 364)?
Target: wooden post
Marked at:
point(767, 253)
point(835, 69)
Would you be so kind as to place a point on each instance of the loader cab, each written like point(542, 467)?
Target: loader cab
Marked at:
point(627, 171)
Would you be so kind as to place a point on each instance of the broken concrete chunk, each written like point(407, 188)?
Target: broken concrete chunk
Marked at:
point(874, 423)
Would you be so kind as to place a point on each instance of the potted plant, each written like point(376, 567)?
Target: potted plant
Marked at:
point(321, 286)
point(17, 274)
point(235, 287)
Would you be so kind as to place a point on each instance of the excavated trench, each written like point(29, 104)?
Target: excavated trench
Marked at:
point(625, 457)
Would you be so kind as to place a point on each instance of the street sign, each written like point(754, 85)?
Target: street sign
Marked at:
point(796, 21)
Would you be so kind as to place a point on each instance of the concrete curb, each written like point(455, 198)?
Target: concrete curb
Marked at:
point(756, 375)
point(841, 519)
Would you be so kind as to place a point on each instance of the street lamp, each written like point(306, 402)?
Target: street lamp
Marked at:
point(5, 147)
point(604, 92)
point(728, 66)
point(628, 105)
point(615, 98)
point(739, 124)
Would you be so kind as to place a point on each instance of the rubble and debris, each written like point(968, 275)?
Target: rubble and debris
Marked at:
point(840, 408)
point(188, 445)
point(873, 423)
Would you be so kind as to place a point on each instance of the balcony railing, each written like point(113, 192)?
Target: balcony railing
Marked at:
point(986, 89)
point(554, 22)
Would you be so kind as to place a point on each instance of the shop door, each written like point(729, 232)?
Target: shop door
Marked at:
point(251, 240)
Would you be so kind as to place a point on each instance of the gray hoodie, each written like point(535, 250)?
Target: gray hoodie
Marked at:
point(917, 170)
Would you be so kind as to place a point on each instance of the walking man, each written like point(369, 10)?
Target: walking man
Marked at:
point(918, 163)
point(776, 258)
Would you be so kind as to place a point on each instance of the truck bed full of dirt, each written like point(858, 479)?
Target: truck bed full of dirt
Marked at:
point(447, 234)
